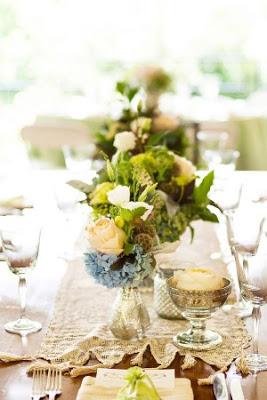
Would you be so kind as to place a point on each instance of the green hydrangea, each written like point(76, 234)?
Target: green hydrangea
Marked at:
point(171, 228)
point(158, 162)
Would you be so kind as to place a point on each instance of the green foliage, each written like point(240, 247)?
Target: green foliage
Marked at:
point(105, 143)
point(148, 190)
point(157, 161)
point(129, 215)
point(206, 215)
point(201, 192)
point(125, 89)
point(157, 81)
point(174, 139)
point(169, 228)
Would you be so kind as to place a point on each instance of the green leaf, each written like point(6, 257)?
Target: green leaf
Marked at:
point(201, 191)
point(127, 215)
point(138, 212)
point(81, 186)
point(145, 193)
point(155, 139)
point(139, 106)
point(132, 92)
point(128, 248)
point(110, 171)
point(192, 232)
point(206, 215)
point(121, 86)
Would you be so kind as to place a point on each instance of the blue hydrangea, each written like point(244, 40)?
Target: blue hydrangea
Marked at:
point(133, 271)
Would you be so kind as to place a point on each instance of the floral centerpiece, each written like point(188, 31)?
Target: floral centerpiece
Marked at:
point(144, 197)
point(142, 201)
point(149, 125)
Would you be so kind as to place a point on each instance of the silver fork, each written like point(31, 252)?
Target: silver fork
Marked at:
point(38, 384)
point(54, 383)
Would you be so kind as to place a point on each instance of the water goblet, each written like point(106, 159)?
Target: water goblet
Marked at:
point(253, 284)
point(244, 234)
point(210, 145)
point(69, 207)
point(197, 306)
point(20, 240)
point(225, 167)
point(228, 199)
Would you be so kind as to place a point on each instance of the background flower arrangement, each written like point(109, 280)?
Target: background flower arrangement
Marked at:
point(140, 114)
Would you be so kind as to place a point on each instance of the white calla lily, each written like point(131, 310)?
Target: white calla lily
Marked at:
point(119, 196)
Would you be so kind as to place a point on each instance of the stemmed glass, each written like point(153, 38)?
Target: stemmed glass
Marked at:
point(228, 199)
point(244, 235)
point(253, 284)
point(67, 201)
point(20, 240)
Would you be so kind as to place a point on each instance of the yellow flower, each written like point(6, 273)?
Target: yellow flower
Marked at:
point(99, 195)
point(119, 221)
point(106, 237)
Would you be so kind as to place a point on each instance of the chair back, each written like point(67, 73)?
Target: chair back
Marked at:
point(55, 137)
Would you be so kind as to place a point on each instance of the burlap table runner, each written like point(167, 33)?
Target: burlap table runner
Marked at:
point(79, 331)
point(78, 334)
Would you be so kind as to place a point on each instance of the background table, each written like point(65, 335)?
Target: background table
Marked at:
point(43, 286)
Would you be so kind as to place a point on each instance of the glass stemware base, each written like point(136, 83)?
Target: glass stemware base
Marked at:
point(195, 340)
point(240, 308)
point(23, 326)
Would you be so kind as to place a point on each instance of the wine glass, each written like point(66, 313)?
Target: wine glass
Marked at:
point(210, 144)
point(228, 199)
point(20, 240)
point(70, 218)
point(253, 284)
point(244, 235)
point(227, 165)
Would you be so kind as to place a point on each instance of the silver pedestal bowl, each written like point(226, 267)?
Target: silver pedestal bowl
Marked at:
point(197, 306)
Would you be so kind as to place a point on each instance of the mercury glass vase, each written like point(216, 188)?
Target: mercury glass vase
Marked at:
point(163, 304)
point(129, 317)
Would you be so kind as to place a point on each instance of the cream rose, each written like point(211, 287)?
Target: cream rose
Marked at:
point(106, 237)
point(125, 141)
point(185, 167)
point(138, 204)
point(119, 196)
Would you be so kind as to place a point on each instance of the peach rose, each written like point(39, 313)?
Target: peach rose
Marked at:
point(106, 237)
point(164, 122)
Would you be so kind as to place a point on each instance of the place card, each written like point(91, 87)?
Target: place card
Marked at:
point(114, 378)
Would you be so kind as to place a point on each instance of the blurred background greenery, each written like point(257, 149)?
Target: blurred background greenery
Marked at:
point(62, 57)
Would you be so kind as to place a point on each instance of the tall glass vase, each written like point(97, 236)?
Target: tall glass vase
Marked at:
point(129, 317)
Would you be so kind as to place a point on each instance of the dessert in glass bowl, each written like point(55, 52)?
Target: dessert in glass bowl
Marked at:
point(197, 293)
